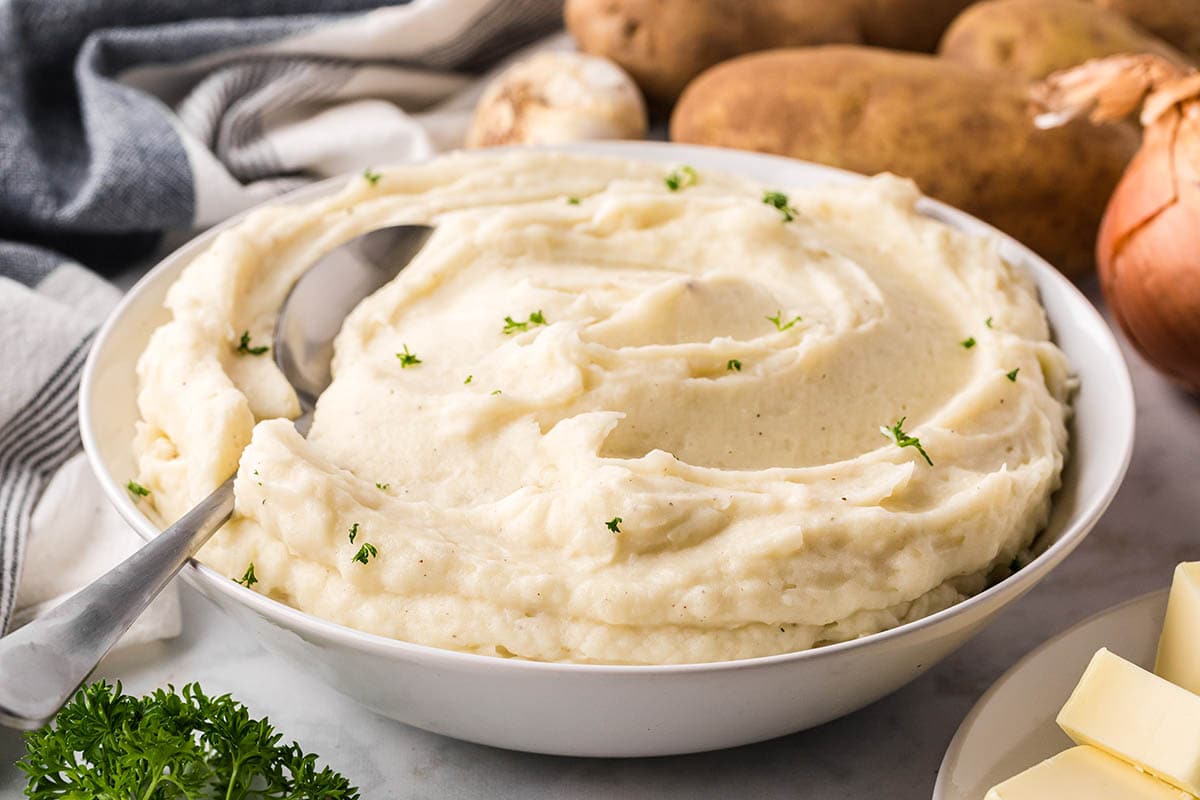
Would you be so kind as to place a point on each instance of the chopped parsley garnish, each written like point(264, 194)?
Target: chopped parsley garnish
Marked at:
point(733, 365)
point(136, 489)
point(780, 325)
point(180, 745)
point(248, 579)
point(407, 359)
point(372, 177)
point(614, 524)
point(779, 201)
point(354, 530)
point(988, 322)
point(383, 487)
point(1012, 376)
point(683, 177)
point(896, 434)
point(244, 346)
point(469, 379)
point(365, 553)
point(968, 342)
point(572, 201)
point(496, 392)
point(511, 326)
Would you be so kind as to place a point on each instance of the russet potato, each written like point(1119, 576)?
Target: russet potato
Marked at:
point(965, 136)
point(1173, 21)
point(665, 43)
point(1032, 38)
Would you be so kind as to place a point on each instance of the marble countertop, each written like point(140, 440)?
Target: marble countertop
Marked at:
point(890, 749)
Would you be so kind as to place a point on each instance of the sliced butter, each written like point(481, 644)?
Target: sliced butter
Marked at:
point(1137, 716)
point(1084, 773)
point(1179, 646)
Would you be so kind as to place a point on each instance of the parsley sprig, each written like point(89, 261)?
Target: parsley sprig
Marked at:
point(244, 347)
point(896, 434)
point(614, 524)
point(371, 176)
point(779, 201)
point(968, 342)
point(780, 325)
point(407, 359)
point(136, 489)
point(511, 325)
point(733, 365)
point(681, 178)
point(169, 745)
point(365, 553)
point(248, 578)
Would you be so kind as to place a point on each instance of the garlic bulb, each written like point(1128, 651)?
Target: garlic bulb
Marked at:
point(1148, 251)
point(557, 97)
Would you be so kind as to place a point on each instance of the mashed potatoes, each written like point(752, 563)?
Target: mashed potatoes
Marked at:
point(628, 424)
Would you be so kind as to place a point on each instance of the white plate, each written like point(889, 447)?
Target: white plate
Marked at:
point(1012, 727)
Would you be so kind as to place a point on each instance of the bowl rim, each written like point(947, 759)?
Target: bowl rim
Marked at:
point(311, 626)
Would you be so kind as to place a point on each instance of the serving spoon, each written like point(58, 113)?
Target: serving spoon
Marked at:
point(44, 662)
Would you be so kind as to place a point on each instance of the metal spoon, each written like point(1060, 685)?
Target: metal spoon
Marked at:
point(43, 663)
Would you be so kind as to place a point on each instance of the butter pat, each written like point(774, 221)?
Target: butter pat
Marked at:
point(1179, 647)
point(1083, 772)
point(1137, 716)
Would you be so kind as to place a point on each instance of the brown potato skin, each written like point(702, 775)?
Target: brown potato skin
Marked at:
point(965, 136)
point(1174, 21)
point(1032, 38)
point(665, 43)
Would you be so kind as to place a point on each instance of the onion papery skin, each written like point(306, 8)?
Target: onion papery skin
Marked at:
point(1148, 250)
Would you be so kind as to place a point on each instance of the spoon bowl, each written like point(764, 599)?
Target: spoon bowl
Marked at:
point(313, 312)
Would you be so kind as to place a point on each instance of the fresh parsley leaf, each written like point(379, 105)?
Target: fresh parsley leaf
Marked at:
point(136, 489)
point(779, 201)
point(572, 201)
point(968, 342)
point(511, 326)
point(614, 524)
point(733, 365)
point(365, 553)
point(372, 177)
point(469, 379)
point(496, 392)
point(169, 745)
point(248, 578)
point(354, 530)
point(383, 487)
point(681, 178)
point(780, 325)
point(1012, 376)
point(244, 347)
point(896, 434)
point(988, 322)
point(407, 359)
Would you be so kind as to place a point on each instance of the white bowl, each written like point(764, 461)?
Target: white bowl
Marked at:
point(591, 710)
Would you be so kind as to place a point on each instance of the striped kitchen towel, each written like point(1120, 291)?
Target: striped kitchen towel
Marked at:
point(121, 119)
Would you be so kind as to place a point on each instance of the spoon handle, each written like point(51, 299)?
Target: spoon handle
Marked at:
point(42, 663)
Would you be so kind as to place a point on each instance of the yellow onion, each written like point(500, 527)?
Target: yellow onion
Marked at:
point(1148, 250)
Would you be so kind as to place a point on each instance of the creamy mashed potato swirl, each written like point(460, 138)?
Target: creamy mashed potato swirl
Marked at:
point(761, 509)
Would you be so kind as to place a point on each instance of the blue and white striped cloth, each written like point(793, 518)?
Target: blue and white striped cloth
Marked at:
point(121, 119)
